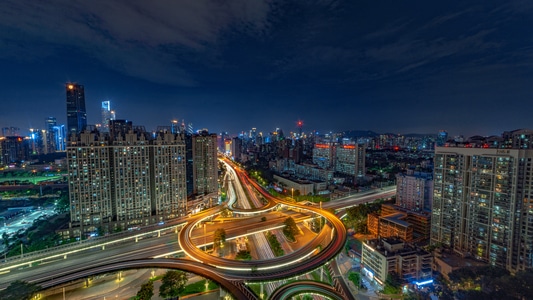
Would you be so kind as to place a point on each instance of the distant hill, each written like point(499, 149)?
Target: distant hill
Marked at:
point(369, 133)
point(420, 135)
point(359, 133)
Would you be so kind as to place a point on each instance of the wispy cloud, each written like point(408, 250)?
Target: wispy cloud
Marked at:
point(131, 37)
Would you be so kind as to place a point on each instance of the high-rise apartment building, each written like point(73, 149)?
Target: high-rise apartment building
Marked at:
point(76, 113)
point(205, 163)
point(107, 115)
point(124, 180)
point(350, 160)
point(324, 155)
point(414, 190)
point(483, 204)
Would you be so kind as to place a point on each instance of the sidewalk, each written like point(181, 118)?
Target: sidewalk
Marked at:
point(345, 264)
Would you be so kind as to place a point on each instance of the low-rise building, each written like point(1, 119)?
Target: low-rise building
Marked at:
point(304, 187)
point(398, 222)
point(387, 255)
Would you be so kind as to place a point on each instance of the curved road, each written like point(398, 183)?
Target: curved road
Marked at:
point(303, 260)
point(305, 286)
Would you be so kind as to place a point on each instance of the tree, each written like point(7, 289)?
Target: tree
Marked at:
point(172, 284)
point(355, 278)
point(146, 292)
point(226, 213)
point(220, 236)
point(290, 229)
point(5, 239)
point(19, 290)
point(393, 284)
point(63, 204)
point(274, 244)
point(243, 255)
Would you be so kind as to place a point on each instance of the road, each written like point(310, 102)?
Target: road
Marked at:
point(305, 259)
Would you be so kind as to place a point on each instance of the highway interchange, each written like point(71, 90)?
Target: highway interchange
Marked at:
point(148, 248)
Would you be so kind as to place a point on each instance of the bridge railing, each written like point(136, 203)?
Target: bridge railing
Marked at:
point(114, 238)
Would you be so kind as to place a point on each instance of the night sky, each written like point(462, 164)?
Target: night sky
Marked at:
point(388, 66)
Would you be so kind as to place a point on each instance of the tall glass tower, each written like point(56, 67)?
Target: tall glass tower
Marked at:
point(76, 113)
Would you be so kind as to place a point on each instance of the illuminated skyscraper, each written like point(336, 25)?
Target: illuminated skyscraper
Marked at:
point(50, 144)
point(76, 113)
point(107, 115)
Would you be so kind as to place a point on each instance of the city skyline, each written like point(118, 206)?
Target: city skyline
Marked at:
point(335, 65)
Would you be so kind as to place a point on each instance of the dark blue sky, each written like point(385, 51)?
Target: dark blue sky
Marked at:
point(387, 66)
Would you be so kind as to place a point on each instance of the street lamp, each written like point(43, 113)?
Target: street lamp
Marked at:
point(292, 190)
point(205, 243)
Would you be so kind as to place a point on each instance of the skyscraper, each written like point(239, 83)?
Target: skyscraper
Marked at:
point(205, 164)
point(107, 115)
point(50, 145)
point(76, 113)
point(483, 204)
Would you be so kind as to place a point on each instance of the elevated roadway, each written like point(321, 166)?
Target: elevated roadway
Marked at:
point(324, 247)
point(294, 288)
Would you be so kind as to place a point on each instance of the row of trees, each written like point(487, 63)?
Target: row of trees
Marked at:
point(173, 285)
point(275, 244)
point(356, 216)
point(488, 282)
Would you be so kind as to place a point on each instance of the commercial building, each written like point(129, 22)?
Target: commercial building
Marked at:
point(383, 256)
point(414, 190)
point(107, 115)
point(14, 149)
point(483, 202)
point(76, 113)
point(236, 148)
point(205, 163)
point(304, 187)
point(126, 179)
point(50, 136)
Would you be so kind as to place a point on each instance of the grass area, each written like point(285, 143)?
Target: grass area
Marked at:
point(328, 276)
point(315, 275)
point(256, 288)
point(31, 179)
point(315, 199)
point(199, 287)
